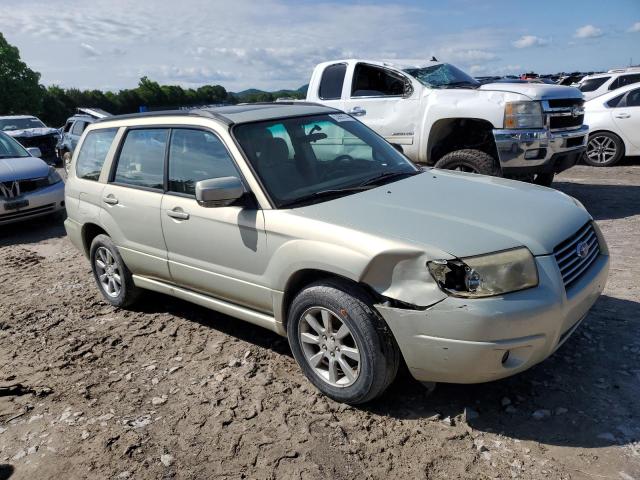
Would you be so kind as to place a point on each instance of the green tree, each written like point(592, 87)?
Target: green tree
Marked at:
point(20, 91)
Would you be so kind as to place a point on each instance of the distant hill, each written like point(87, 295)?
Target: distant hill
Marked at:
point(257, 95)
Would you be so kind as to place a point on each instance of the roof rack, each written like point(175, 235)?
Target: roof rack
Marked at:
point(196, 112)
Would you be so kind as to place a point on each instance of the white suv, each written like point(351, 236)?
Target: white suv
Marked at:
point(593, 86)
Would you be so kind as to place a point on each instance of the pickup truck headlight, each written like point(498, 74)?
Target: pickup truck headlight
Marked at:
point(523, 115)
point(486, 275)
point(54, 176)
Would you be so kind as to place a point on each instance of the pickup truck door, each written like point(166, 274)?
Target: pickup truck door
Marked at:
point(384, 100)
point(627, 117)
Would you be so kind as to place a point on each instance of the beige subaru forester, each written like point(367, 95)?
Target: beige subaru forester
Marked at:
point(300, 219)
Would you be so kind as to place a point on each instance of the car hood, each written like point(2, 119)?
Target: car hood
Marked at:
point(459, 213)
point(535, 91)
point(32, 132)
point(22, 168)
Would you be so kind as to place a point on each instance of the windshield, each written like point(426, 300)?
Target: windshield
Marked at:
point(442, 75)
point(9, 148)
point(7, 124)
point(315, 158)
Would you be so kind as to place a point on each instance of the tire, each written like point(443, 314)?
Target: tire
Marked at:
point(349, 306)
point(544, 179)
point(103, 252)
point(473, 161)
point(603, 149)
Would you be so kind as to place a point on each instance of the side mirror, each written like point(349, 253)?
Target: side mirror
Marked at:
point(219, 192)
point(34, 152)
point(408, 89)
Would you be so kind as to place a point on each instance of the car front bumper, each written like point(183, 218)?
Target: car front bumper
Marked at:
point(539, 150)
point(461, 340)
point(44, 201)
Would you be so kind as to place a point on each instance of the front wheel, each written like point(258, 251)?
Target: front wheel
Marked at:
point(341, 343)
point(472, 161)
point(604, 149)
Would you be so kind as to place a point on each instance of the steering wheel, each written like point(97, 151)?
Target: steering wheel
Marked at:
point(341, 162)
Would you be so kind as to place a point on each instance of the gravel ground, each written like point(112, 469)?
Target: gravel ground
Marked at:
point(169, 389)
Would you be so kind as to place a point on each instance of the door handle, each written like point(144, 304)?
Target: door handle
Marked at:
point(357, 112)
point(623, 115)
point(110, 199)
point(178, 214)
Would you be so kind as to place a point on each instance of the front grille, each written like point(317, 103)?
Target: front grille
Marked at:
point(566, 102)
point(564, 113)
point(10, 190)
point(573, 261)
point(565, 122)
point(46, 144)
point(30, 212)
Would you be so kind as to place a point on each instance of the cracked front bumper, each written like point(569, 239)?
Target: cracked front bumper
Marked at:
point(462, 340)
point(539, 150)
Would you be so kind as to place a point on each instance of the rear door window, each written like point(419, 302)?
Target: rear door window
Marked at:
point(332, 81)
point(633, 98)
point(196, 155)
point(93, 153)
point(141, 159)
point(628, 79)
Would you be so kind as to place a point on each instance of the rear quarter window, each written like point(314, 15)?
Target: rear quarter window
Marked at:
point(93, 153)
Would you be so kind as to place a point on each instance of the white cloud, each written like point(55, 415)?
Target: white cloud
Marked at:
point(588, 31)
point(635, 27)
point(89, 50)
point(527, 41)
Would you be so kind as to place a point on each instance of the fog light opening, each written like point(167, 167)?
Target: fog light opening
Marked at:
point(505, 357)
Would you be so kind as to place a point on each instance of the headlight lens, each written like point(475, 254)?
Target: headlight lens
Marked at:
point(523, 115)
point(486, 275)
point(54, 176)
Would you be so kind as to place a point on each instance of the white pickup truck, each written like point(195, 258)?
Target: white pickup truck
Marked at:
point(439, 115)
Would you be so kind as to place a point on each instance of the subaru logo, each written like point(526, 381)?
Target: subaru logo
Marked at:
point(582, 249)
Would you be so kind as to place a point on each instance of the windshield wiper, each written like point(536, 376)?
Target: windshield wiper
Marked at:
point(383, 177)
point(334, 192)
point(463, 84)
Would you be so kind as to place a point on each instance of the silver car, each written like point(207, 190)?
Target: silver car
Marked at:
point(300, 219)
point(29, 187)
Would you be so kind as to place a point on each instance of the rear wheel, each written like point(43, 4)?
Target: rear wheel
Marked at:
point(604, 149)
point(341, 343)
point(472, 161)
point(112, 276)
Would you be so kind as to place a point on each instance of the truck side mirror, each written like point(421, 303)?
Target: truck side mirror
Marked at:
point(219, 192)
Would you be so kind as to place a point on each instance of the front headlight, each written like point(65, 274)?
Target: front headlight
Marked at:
point(523, 115)
point(54, 176)
point(486, 275)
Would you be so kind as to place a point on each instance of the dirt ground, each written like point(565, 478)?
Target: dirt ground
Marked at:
point(171, 390)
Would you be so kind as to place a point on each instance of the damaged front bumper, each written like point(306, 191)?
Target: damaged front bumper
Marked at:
point(462, 340)
point(539, 150)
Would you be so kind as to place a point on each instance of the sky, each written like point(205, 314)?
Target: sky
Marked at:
point(272, 44)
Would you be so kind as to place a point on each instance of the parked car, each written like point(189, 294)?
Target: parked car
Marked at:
point(441, 116)
point(614, 119)
point(29, 187)
point(30, 131)
point(73, 129)
point(593, 86)
point(300, 219)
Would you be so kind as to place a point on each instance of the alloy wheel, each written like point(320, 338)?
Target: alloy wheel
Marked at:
point(601, 149)
point(108, 272)
point(329, 347)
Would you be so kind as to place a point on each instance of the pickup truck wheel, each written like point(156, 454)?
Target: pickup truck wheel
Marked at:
point(473, 161)
point(603, 149)
point(112, 276)
point(544, 179)
point(341, 343)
